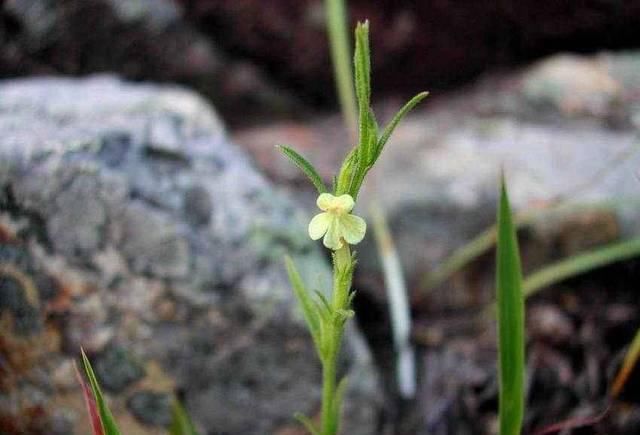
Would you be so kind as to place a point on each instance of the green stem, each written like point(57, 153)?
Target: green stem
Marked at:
point(328, 393)
point(340, 297)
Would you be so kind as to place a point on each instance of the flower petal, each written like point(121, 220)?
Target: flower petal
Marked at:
point(343, 203)
point(352, 228)
point(319, 225)
point(332, 238)
point(325, 200)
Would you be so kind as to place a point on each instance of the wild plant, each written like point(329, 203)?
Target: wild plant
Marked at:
point(326, 315)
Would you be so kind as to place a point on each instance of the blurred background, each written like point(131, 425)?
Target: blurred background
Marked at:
point(144, 212)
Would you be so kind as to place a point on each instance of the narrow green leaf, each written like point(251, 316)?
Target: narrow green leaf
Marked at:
point(362, 64)
point(108, 422)
point(511, 342)
point(181, 424)
point(305, 167)
point(581, 263)
point(396, 119)
point(307, 423)
point(304, 299)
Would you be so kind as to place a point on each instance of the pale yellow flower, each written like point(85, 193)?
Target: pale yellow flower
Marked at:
point(336, 224)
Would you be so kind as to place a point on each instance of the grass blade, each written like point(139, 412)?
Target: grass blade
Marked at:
point(511, 341)
point(108, 422)
point(486, 240)
point(581, 263)
point(341, 57)
point(629, 362)
point(181, 424)
point(305, 167)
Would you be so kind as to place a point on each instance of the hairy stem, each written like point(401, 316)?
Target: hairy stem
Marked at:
point(328, 392)
point(340, 301)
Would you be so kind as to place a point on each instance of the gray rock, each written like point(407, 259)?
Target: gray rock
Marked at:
point(163, 243)
point(550, 128)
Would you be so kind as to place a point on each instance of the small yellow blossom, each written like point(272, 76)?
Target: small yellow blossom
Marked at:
point(336, 223)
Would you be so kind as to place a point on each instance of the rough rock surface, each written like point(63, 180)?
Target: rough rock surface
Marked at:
point(131, 226)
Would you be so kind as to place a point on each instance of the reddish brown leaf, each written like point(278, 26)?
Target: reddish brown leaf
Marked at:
point(92, 408)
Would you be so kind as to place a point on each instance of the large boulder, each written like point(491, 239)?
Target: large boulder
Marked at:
point(131, 226)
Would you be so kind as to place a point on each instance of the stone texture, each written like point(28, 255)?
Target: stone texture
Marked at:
point(131, 226)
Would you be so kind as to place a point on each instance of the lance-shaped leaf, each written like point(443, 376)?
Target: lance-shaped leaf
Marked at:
point(305, 167)
point(362, 68)
point(108, 423)
point(511, 340)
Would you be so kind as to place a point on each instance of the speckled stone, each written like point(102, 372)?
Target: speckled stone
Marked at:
point(130, 198)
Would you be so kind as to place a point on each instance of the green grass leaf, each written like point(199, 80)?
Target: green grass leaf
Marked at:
point(511, 341)
point(307, 304)
point(581, 263)
point(106, 418)
point(181, 424)
point(341, 57)
point(305, 167)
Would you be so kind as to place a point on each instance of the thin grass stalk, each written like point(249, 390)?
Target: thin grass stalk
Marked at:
point(341, 58)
